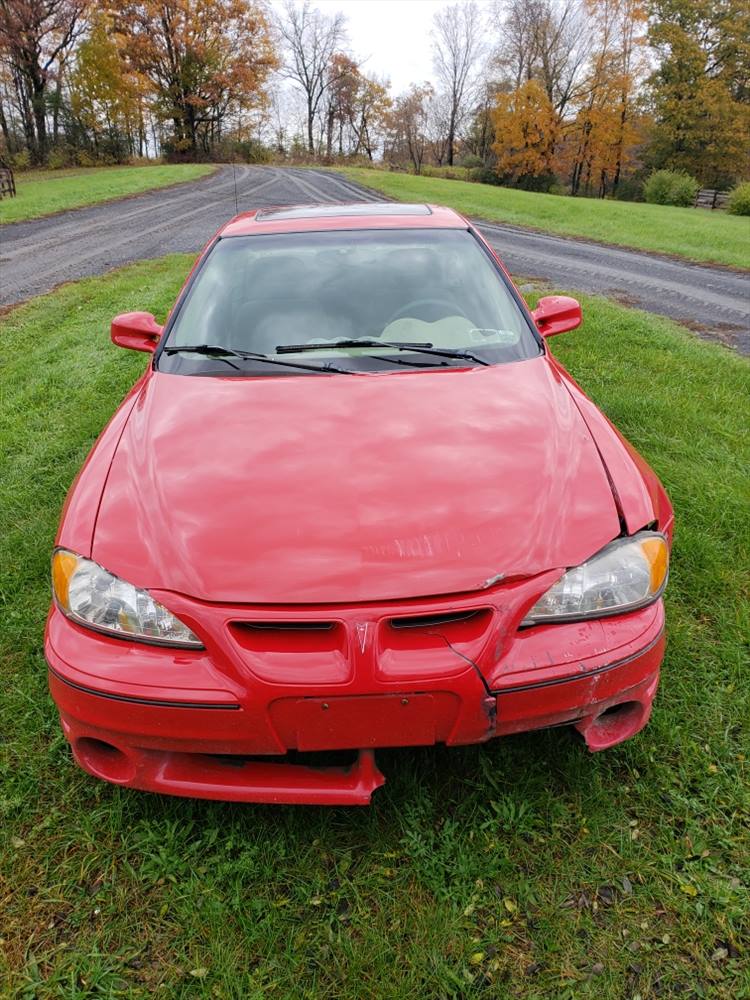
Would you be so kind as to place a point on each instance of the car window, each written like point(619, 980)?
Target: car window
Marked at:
point(271, 294)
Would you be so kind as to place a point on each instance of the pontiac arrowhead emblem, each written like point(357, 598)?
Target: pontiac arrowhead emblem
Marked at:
point(362, 629)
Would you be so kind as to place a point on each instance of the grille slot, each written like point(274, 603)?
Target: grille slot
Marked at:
point(425, 621)
point(294, 650)
point(286, 626)
point(432, 644)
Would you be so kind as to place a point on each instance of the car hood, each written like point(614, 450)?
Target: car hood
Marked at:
point(352, 488)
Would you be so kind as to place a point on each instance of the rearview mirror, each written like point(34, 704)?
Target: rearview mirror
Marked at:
point(556, 314)
point(138, 331)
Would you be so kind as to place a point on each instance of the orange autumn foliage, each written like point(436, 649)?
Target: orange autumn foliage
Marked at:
point(526, 129)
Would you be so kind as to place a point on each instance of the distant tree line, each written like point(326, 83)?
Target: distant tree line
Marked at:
point(89, 82)
point(583, 96)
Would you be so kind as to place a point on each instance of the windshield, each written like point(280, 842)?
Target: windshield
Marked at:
point(416, 298)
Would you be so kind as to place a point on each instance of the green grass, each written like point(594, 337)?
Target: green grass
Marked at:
point(696, 234)
point(525, 868)
point(44, 192)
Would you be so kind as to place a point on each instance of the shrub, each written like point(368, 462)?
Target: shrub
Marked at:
point(84, 158)
point(739, 199)
point(670, 187)
point(21, 161)
point(455, 173)
point(540, 183)
point(485, 175)
point(58, 158)
point(630, 188)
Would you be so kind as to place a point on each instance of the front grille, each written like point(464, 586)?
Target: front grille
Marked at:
point(285, 626)
point(425, 621)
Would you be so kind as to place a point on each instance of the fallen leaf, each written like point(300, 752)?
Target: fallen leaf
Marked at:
point(200, 973)
point(476, 958)
point(719, 955)
point(627, 886)
point(606, 894)
point(688, 889)
point(509, 905)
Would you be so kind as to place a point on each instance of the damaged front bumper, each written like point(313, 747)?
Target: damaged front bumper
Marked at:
point(240, 719)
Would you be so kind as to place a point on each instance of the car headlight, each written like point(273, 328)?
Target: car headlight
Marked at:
point(628, 573)
point(93, 597)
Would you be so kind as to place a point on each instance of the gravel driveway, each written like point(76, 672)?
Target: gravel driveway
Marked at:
point(35, 256)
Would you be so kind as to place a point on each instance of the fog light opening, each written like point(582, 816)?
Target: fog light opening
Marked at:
point(614, 725)
point(104, 760)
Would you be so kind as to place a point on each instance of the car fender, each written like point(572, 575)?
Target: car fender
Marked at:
point(641, 499)
point(79, 514)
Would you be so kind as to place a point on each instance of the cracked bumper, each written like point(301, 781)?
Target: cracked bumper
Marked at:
point(218, 725)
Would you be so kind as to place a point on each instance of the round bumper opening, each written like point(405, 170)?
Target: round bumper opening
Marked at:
point(614, 724)
point(104, 760)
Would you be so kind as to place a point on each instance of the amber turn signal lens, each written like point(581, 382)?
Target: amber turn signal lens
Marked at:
point(63, 567)
point(657, 554)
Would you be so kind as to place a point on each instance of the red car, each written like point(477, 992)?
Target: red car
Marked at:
point(353, 502)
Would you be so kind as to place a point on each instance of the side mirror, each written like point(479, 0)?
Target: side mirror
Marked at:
point(137, 330)
point(556, 314)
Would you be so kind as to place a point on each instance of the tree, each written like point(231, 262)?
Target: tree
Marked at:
point(369, 113)
point(480, 135)
point(343, 84)
point(311, 40)
point(699, 92)
point(203, 58)
point(35, 37)
point(542, 40)
point(457, 47)
point(604, 126)
point(106, 101)
point(408, 125)
point(525, 126)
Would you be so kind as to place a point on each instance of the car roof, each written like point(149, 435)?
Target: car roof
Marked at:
point(356, 215)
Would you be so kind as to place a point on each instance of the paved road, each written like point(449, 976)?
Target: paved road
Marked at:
point(35, 256)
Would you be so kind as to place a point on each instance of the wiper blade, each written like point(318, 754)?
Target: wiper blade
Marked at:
point(419, 348)
point(224, 353)
point(350, 342)
point(210, 350)
point(448, 352)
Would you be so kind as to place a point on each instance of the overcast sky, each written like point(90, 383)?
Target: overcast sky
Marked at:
point(391, 37)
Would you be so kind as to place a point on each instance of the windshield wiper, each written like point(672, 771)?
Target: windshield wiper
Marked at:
point(224, 353)
point(449, 352)
point(349, 342)
point(419, 348)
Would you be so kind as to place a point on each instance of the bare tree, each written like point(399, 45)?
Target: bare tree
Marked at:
point(542, 40)
point(311, 39)
point(457, 46)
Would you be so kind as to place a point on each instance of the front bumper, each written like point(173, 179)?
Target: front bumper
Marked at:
point(234, 721)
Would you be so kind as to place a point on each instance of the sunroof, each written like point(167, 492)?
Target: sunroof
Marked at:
point(332, 211)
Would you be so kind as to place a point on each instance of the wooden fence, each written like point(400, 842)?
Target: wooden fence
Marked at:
point(710, 198)
point(7, 184)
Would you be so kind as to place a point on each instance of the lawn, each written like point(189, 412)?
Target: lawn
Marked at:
point(525, 868)
point(44, 192)
point(696, 234)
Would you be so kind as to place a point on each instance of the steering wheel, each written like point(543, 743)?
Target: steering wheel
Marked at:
point(417, 303)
